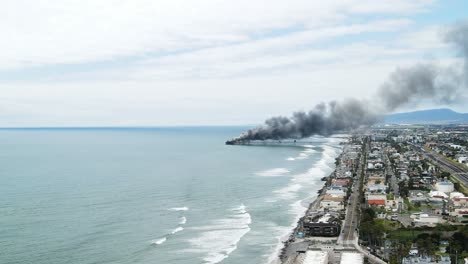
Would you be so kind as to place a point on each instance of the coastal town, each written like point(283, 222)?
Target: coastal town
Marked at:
point(398, 195)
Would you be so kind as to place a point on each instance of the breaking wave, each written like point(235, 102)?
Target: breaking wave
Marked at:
point(305, 154)
point(178, 229)
point(273, 172)
point(158, 241)
point(311, 178)
point(179, 209)
point(220, 238)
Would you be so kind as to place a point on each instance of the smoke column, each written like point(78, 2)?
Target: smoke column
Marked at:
point(439, 84)
point(404, 86)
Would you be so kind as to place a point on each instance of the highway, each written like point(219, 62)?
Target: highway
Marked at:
point(458, 171)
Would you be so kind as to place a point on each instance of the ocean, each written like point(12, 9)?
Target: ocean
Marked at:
point(152, 195)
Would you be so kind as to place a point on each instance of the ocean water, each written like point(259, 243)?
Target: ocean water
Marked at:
point(151, 195)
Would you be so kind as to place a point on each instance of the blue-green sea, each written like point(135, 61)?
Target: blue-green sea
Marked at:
point(151, 195)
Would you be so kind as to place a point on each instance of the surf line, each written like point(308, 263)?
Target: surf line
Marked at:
point(182, 221)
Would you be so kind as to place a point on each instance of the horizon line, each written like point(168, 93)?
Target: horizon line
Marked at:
point(123, 126)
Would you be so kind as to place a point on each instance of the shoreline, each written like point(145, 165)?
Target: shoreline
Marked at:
point(293, 234)
point(288, 239)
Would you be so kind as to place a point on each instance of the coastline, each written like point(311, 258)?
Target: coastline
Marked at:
point(287, 241)
point(287, 245)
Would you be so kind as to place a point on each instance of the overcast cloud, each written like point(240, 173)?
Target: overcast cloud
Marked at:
point(88, 63)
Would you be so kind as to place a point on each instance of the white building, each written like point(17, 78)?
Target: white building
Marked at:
point(438, 194)
point(331, 205)
point(351, 258)
point(463, 159)
point(445, 186)
point(425, 219)
point(426, 260)
point(315, 257)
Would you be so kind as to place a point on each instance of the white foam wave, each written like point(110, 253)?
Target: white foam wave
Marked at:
point(288, 192)
point(158, 241)
point(329, 154)
point(310, 179)
point(178, 229)
point(183, 220)
point(220, 238)
point(290, 158)
point(179, 209)
point(309, 150)
point(273, 172)
point(282, 233)
point(306, 153)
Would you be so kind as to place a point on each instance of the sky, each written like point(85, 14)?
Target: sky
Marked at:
point(207, 62)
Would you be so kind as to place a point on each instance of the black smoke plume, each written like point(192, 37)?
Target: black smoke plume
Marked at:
point(439, 84)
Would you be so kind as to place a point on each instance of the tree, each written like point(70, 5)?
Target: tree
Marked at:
point(427, 244)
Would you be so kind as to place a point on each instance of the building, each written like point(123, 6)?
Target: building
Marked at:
point(351, 258)
point(340, 182)
point(336, 191)
point(426, 219)
point(463, 159)
point(460, 201)
point(315, 257)
point(445, 186)
point(426, 260)
point(377, 188)
point(333, 199)
point(438, 194)
point(331, 205)
point(376, 179)
point(376, 199)
point(322, 224)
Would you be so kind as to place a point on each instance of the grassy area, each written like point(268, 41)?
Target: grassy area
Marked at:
point(386, 225)
point(463, 188)
point(409, 233)
point(411, 207)
point(404, 235)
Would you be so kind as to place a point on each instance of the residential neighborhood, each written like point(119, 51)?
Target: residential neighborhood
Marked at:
point(398, 195)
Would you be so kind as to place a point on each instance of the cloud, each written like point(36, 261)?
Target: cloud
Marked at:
point(198, 62)
point(37, 33)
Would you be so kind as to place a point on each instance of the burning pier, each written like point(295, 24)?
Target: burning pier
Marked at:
point(239, 141)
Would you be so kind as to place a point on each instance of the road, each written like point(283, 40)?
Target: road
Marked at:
point(395, 189)
point(458, 171)
point(349, 236)
point(349, 227)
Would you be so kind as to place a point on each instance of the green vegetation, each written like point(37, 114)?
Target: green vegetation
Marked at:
point(412, 207)
point(373, 230)
point(459, 187)
point(428, 239)
point(444, 174)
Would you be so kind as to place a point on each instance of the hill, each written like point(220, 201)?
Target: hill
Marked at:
point(432, 116)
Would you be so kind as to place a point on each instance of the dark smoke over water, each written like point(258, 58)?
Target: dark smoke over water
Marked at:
point(404, 86)
point(324, 119)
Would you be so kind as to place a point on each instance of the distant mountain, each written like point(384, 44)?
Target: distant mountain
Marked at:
point(433, 116)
